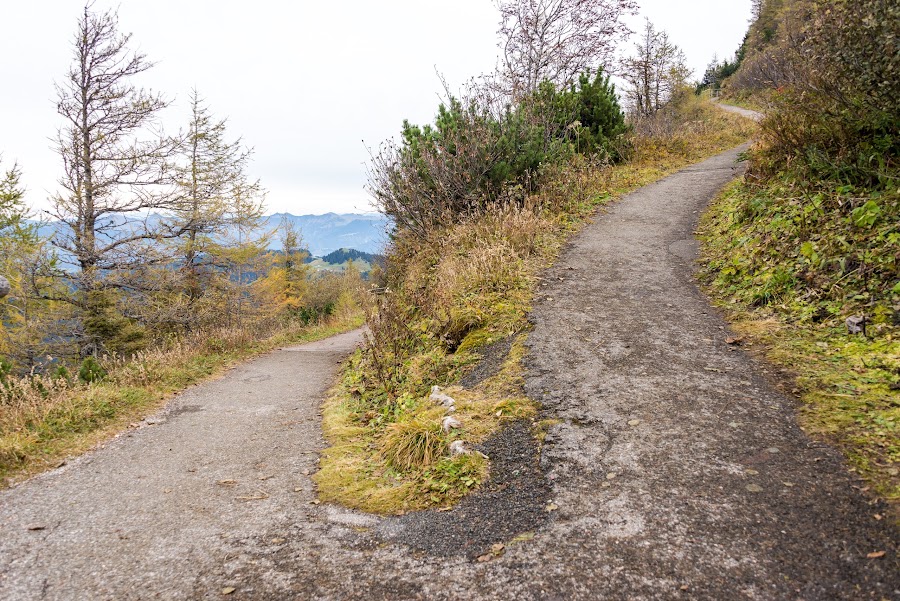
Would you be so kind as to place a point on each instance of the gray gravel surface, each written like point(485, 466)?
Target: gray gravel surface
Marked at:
point(750, 114)
point(676, 471)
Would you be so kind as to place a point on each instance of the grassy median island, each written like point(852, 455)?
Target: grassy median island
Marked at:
point(465, 286)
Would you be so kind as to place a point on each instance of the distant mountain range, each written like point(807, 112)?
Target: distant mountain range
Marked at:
point(322, 234)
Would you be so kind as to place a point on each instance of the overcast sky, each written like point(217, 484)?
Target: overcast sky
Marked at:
point(308, 85)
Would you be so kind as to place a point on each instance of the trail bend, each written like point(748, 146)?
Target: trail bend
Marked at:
point(676, 469)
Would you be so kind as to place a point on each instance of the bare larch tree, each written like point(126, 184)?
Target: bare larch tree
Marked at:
point(210, 171)
point(114, 162)
point(655, 72)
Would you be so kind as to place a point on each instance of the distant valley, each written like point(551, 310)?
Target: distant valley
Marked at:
point(322, 234)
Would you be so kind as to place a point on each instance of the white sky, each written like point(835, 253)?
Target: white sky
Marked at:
point(304, 83)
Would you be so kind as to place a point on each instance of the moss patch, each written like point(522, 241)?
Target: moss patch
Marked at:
point(789, 262)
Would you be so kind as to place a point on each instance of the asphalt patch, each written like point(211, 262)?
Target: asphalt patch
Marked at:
point(513, 501)
point(492, 358)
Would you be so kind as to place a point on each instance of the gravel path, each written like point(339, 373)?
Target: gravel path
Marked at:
point(676, 470)
point(750, 114)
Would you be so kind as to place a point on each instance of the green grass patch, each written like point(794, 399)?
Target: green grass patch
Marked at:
point(789, 261)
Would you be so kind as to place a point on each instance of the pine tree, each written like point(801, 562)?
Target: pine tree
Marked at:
point(30, 326)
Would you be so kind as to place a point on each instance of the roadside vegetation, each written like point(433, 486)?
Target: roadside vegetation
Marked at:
point(158, 274)
point(804, 253)
point(483, 200)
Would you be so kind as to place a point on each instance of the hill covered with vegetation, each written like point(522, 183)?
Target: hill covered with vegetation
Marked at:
point(806, 249)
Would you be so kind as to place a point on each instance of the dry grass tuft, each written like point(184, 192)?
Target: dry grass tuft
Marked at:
point(414, 442)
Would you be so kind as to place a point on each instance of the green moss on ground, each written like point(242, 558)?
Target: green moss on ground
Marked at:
point(789, 261)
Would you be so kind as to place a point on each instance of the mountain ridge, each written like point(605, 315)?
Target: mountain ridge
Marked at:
point(322, 234)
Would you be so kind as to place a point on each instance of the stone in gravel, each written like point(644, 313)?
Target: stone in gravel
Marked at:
point(754, 488)
point(445, 400)
point(611, 476)
point(458, 447)
point(773, 450)
point(449, 422)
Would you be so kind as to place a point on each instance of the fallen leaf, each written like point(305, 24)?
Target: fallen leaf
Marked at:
point(278, 541)
point(788, 484)
point(754, 488)
point(875, 554)
point(611, 475)
point(36, 527)
point(878, 516)
point(485, 557)
point(751, 472)
point(552, 507)
point(298, 489)
point(737, 340)
point(228, 590)
point(498, 549)
point(684, 587)
point(634, 422)
point(525, 536)
point(226, 482)
point(266, 477)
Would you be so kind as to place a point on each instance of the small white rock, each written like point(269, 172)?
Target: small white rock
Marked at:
point(449, 422)
point(458, 447)
point(439, 397)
